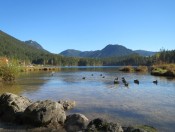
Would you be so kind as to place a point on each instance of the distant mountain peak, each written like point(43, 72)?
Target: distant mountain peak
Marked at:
point(34, 44)
point(111, 50)
point(145, 52)
point(116, 46)
point(31, 41)
point(71, 52)
point(113, 45)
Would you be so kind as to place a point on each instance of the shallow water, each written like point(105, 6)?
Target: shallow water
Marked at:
point(146, 103)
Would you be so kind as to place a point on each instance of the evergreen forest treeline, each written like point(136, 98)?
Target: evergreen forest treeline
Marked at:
point(11, 47)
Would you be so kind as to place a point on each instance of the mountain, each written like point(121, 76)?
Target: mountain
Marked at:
point(71, 52)
point(145, 53)
point(109, 51)
point(114, 50)
point(14, 48)
point(34, 44)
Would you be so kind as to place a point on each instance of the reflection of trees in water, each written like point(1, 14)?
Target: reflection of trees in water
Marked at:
point(68, 78)
point(27, 82)
point(11, 88)
point(32, 85)
point(75, 74)
point(162, 78)
point(91, 68)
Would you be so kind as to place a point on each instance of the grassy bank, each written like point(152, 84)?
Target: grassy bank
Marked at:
point(39, 68)
point(163, 70)
point(127, 69)
point(134, 69)
point(9, 71)
point(141, 69)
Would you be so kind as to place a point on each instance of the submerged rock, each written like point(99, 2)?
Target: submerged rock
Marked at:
point(75, 122)
point(96, 124)
point(101, 125)
point(12, 106)
point(67, 104)
point(142, 128)
point(43, 113)
point(132, 129)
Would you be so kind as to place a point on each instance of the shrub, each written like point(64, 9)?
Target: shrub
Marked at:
point(164, 70)
point(127, 69)
point(141, 69)
point(9, 71)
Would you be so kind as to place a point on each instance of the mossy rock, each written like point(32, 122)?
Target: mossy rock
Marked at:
point(163, 72)
point(158, 71)
point(147, 128)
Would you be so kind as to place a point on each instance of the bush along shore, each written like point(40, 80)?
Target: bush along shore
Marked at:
point(134, 69)
point(9, 72)
point(167, 70)
point(50, 115)
point(40, 68)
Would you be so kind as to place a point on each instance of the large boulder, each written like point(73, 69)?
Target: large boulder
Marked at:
point(75, 122)
point(12, 106)
point(101, 125)
point(45, 113)
point(67, 104)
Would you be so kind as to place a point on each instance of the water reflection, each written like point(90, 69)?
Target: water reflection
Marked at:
point(96, 96)
point(10, 87)
point(27, 82)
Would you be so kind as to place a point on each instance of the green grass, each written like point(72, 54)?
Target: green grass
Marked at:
point(141, 69)
point(9, 72)
point(164, 70)
point(147, 128)
point(127, 69)
point(132, 69)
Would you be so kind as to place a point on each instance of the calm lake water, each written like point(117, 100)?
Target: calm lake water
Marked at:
point(96, 96)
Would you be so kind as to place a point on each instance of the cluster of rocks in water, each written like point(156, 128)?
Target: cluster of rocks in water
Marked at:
point(51, 115)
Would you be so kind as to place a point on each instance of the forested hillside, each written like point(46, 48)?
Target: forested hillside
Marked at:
point(14, 48)
point(145, 53)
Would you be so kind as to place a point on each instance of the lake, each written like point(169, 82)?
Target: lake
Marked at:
point(146, 103)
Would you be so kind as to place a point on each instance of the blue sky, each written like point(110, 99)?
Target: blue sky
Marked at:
point(91, 24)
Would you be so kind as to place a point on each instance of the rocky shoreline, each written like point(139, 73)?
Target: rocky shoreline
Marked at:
point(50, 115)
